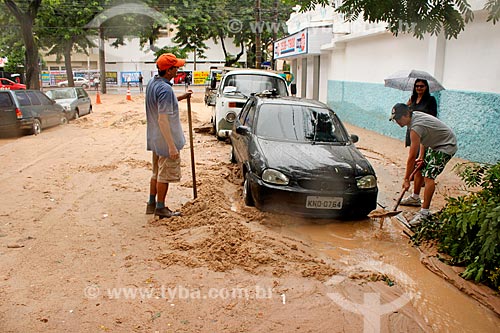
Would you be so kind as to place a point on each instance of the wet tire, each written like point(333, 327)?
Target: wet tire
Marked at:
point(232, 158)
point(36, 128)
point(64, 120)
point(77, 114)
point(247, 192)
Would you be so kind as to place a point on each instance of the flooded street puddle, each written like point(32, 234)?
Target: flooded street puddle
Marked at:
point(445, 308)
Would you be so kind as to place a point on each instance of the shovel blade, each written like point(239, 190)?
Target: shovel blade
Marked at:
point(382, 213)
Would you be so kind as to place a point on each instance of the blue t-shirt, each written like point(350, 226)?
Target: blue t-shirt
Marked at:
point(160, 98)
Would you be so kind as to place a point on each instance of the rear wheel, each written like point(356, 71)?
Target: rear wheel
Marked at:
point(84, 86)
point(247, 192)
point(36, 128)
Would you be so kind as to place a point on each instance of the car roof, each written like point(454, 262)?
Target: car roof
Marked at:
point(289, 100)
point(253, 71)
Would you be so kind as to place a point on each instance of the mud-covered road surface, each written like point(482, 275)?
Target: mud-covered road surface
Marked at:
point(78, 254)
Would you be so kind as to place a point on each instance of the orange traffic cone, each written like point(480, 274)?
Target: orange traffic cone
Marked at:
point(98, 98)
point(129, 97)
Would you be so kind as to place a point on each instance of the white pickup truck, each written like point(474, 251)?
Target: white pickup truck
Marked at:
point(234, 90)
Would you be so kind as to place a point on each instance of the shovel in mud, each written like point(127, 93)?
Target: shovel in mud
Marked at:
point(383, 213)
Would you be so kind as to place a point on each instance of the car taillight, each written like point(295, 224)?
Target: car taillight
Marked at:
point(19, 114)
point(231, 104)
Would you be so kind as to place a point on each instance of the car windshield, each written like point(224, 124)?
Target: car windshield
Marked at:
point(247, 84)
point(61, 94)
point(299, 123)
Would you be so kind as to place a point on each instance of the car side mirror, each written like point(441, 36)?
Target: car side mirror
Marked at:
point(354, 138)
point(293, 89)
point(213, 83)
point(242, 130)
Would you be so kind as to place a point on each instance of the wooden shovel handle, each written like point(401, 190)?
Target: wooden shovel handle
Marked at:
point(418, 167)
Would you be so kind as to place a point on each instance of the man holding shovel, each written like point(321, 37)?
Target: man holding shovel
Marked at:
point(165, 137)
point(437, 144)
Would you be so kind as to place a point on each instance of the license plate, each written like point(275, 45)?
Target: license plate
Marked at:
point(324, 202)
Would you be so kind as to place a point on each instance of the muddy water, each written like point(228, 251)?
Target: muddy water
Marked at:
point(445, 308)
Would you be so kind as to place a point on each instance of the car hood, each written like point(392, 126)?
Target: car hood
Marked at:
point(305, 159)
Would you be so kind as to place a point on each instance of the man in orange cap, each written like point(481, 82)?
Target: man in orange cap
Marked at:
point(165, 137)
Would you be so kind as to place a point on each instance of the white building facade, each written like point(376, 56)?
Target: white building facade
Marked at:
point(349, 70)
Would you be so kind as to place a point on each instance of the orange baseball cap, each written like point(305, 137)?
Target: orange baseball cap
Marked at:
point(168, 60)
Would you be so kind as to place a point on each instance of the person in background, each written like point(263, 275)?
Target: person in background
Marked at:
point(141, 87)
point(437, 144)
point(165, 137)
point(187, 80)
point(96, 83)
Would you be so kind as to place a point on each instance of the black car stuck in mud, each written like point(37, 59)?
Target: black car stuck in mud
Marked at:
point(296, 157)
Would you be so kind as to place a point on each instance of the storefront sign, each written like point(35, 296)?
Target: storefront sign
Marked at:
point(292, 45)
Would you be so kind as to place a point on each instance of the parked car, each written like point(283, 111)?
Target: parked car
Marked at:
point(234, 89)
point(6, 84)
point(79, 82)
point(28, 111)
point(75, 101)
point(297, 157)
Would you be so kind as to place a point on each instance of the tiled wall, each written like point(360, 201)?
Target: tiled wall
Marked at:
point(474, 116)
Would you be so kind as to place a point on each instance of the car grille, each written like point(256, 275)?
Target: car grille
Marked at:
point(325, 185)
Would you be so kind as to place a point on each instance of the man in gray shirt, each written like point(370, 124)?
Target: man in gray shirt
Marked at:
point(435, 143)
point(165, 137)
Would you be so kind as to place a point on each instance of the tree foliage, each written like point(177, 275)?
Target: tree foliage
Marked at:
point(62, 29)
point(414, 16)
point(200, 21)
point(468, 227)
point(25, 13)
point(11, 43)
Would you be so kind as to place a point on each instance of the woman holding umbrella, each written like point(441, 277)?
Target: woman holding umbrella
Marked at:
point(421, 100)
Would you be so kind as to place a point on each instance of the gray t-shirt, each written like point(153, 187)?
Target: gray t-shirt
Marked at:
point(433, 133)
point(160, 98)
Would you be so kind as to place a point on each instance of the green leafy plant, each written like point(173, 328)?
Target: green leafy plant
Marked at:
point(468, 227)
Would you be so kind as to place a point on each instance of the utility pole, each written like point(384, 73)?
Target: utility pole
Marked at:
point(102, 61)
point(258, 41)
point(275, 32)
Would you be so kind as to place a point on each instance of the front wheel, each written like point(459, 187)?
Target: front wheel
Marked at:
point(232, 158)
point(247, 192)
point(77, 115)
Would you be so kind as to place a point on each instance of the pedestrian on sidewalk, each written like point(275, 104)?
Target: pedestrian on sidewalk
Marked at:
point(165, 137)
point(437, 144)
point(96, 83)
point(141, 87)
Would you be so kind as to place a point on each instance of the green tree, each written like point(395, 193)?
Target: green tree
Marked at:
point(204, 20)
point(62, 29)
point(11, 44)
point(414, 16)
point(25, 13)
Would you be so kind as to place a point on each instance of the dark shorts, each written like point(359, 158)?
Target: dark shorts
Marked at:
point(435, 161)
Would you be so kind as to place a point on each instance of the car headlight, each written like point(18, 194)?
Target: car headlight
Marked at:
point(274, 177)
point(230, 116)
point(367, 182)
